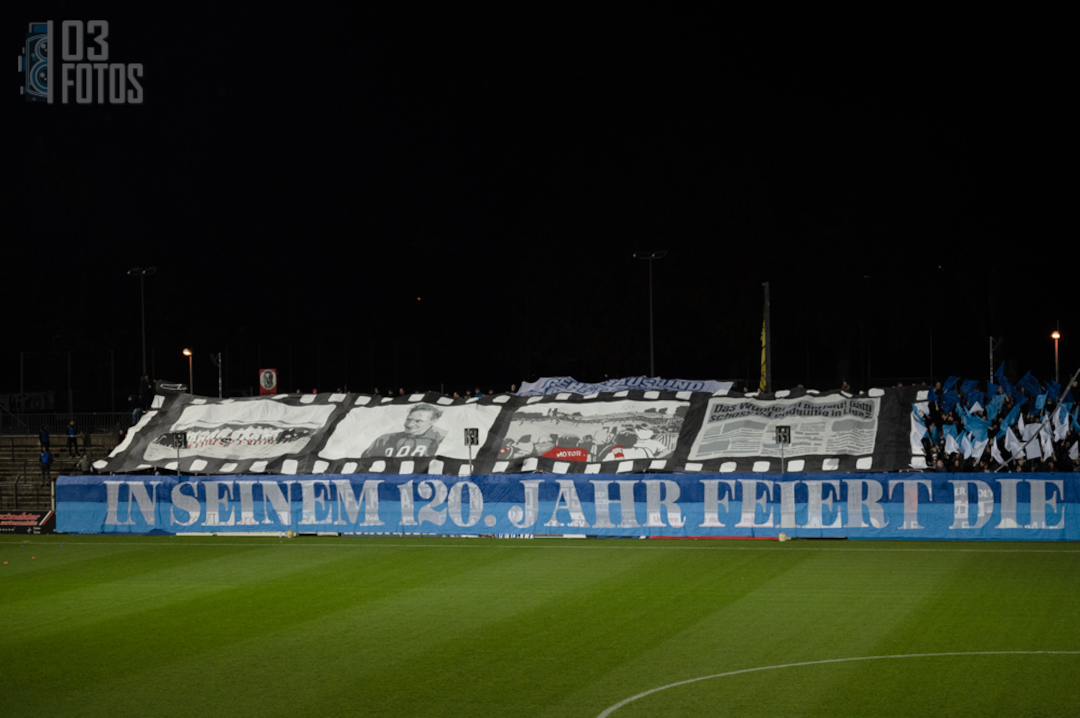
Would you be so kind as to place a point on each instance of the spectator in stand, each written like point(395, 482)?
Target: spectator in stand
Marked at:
point(72, 440)
point(146, 392)
point(136, 409)
point(84, 464)
point(43, 437)
point(1020, 427)
point(46, 461)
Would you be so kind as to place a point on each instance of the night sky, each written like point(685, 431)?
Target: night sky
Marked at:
point(301, 178)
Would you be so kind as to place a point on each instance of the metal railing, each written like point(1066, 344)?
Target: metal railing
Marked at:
point(87, 422)
point(55, 471)
point(7, 416)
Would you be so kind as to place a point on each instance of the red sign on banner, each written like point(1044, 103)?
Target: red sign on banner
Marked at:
point(267, 381)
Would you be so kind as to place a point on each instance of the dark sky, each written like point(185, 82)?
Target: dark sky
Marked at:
point(299, 178)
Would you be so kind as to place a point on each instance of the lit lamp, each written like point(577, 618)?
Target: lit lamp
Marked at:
point(191, 375)
point(1055, 336)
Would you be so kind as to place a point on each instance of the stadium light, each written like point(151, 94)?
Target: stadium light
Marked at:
point(1055, 336)
point(142, 274)
point(191, 374)
point(651, 256)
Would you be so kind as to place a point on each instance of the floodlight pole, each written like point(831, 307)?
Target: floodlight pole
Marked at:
point(191, 374)
point(1056, 336)
point(651, 256)
point(142, 303)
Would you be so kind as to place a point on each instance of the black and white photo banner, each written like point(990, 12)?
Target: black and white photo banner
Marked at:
point(603, 432)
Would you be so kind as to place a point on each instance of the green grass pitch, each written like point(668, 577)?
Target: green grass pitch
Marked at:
point(383, 626)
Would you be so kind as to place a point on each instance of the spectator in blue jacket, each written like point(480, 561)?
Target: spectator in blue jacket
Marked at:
point(72, 439)
point(46, 464)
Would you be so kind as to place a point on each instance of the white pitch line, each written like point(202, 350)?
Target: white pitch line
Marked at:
point(631, 699)
point(600, 545)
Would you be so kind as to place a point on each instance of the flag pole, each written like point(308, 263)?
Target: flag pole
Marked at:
point(767, 343)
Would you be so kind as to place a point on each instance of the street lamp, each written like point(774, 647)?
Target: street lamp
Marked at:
point(191, 375)
point(1055, 336)
point(142, 274)
point(651, 256)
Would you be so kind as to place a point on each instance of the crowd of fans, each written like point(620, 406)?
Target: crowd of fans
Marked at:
point(972, 426)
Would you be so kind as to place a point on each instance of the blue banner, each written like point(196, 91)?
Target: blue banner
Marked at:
point(859, 506)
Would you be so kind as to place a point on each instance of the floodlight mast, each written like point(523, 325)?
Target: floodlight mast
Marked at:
point(191, 373)
point(650, 256)
point(142, 273)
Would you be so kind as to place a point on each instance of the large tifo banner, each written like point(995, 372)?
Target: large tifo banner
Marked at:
point(659, 431)
point(868, 506)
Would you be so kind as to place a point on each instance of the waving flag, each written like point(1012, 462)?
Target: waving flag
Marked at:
point(949, 383)
point(965, 446)
point(979, 449)
point(951, 445)
point(1012, 444)
point(1030, 385)
point(1044, 439)
point(977, 426)
point(995, 452)
point(949, 401)
point(994, 406)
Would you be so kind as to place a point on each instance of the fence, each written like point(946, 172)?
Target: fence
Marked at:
point(87, 422)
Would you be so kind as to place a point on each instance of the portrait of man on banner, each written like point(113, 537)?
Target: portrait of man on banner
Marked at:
point(420, 437)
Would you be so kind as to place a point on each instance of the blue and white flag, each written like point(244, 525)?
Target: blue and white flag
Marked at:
point(977, 426)
point(1011, 417)
point(1012, 444)
point(1045, 441)
point(979, 449)
point(995, 452)
point(1061, 422)
point(949, 401)
point(1030, 385)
